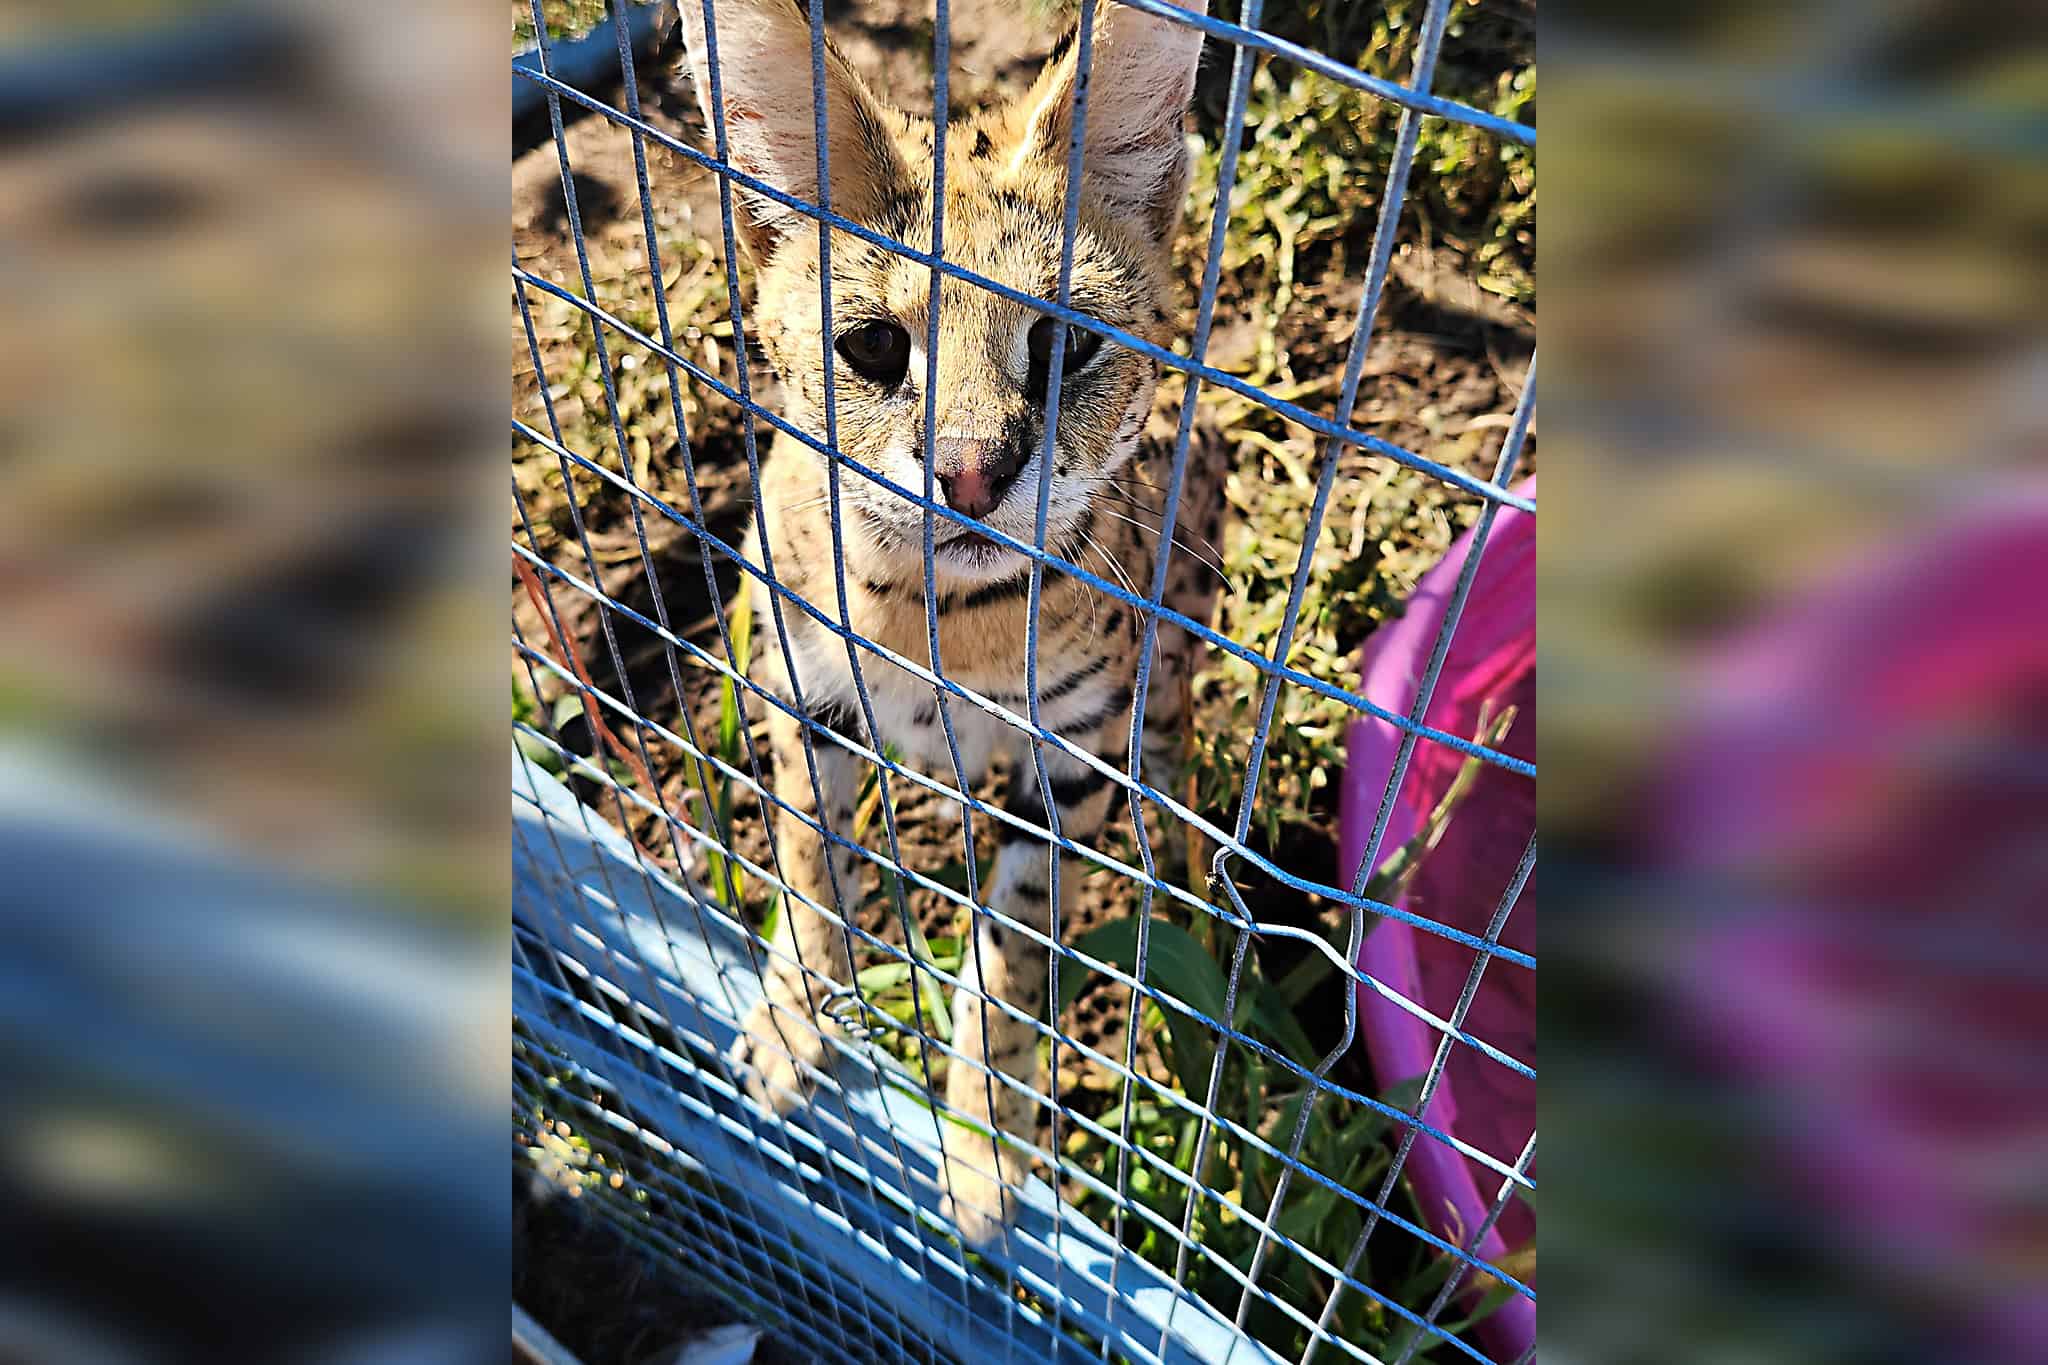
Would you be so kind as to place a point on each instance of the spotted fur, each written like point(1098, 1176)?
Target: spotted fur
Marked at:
point(1005, 196)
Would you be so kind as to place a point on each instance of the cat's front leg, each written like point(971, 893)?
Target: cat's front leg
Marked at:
point(999, 1011)
point(784, 1041)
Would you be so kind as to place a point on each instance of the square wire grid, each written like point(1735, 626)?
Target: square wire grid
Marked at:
point(632, 980)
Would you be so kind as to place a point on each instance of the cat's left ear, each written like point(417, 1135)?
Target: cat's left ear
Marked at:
point(1142, 74)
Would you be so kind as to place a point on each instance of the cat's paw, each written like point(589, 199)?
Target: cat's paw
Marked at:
point(981, 1196)
point(777, 1055)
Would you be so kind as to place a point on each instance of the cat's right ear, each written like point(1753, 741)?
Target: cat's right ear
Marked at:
point(755, 66)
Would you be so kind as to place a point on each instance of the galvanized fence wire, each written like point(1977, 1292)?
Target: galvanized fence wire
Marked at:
point(770, 1269)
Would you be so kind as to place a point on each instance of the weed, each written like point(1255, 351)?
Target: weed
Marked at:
point(1313, 165)
point(565, 18)
point(1344, 1142)
point(723, 876)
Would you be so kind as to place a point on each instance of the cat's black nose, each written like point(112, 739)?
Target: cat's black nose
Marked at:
point(974, 474)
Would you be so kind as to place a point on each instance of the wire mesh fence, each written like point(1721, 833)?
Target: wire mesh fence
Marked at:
point(795, 1032)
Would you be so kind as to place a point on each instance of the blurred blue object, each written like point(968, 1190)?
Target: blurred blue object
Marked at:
point(76, 71)
point(836, 1213)
point(591, 60)
point(243, 1109)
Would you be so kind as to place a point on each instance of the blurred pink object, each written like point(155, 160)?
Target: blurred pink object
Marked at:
point(1492, 659)
point(1861, 785)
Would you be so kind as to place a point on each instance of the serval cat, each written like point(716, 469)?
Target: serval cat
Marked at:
point(1004, 203)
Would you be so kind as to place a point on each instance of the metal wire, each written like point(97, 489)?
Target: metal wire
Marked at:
point(802, 1220)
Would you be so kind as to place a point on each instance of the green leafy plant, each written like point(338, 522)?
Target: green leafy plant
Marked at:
point(723, 876)
point(1346, 1141)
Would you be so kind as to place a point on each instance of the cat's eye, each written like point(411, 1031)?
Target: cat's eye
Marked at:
point(878, 351)
point(1081, 348)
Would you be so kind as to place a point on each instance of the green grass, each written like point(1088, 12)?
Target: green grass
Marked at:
point(1346, 1141)
point(1314, 164)
point(723, 876)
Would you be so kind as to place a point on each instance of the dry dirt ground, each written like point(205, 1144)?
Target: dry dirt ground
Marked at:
point(1445, 365)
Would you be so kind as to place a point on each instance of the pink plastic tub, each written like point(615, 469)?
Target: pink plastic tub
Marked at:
point(1492, 659)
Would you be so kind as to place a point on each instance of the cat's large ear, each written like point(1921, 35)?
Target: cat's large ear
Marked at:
point(1142, 73)
point(763, 55)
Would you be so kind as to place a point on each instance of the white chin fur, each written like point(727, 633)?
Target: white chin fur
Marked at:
point(972, 565)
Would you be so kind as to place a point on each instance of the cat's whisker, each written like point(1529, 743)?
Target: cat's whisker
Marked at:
point(1211, 565)
point(1125, 498)
point(1117, 569)
point(1131, 479)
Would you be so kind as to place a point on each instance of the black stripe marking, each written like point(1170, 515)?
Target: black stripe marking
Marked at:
point(1017, 205)
point(1073, 680)
point(1020, 586)
point(1022, 801)
point(1071, 791)
point(1054, 693)
point(836, 716)
point(998, 592)
point(1117, 703)
point(1066, 41)
point(914, 589)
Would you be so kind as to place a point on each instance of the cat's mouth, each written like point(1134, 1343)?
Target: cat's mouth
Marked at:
point(972, 547)
point(976, 557)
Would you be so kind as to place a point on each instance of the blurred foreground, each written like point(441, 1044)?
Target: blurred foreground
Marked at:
point(1795, 639)
point(253, 1009)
